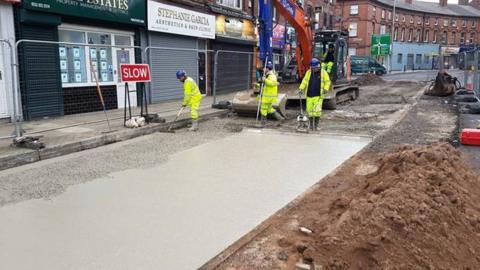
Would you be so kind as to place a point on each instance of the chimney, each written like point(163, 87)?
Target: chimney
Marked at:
point(463, 2)
point(475, 4)
point(443, 3)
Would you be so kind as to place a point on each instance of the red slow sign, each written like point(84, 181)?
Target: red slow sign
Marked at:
point(135, 72)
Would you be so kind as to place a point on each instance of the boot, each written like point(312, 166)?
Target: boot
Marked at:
point(262, 123)
point(277, 116)
point(194, 126)
point(317, 121)
point(311, 123)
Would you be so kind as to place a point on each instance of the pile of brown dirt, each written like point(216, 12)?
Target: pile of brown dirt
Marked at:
point(369, 79)
point(416, 208)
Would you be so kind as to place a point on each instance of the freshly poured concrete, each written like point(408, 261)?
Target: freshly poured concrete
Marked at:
point(174, 216)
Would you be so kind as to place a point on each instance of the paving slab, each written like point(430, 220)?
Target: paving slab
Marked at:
point(176, 215)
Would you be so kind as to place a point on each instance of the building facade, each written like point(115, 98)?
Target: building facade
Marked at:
point(449, 26)
point(7, 33)
point(61, 79)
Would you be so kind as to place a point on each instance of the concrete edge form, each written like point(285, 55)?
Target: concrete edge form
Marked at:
point(30, 156)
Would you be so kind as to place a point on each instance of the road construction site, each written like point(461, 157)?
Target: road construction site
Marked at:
point(234, 197)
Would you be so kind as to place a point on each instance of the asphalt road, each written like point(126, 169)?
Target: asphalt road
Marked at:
point(422, 75)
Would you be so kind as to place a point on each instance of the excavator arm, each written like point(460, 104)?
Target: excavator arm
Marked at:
point(296, 17)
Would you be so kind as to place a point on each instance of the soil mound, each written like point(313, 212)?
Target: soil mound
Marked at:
point(369, 79)
point(419, 209)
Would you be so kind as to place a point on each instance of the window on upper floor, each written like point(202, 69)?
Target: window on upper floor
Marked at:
point(444, 37)
point(436, 21)
point(374, 10)
point(445, 22)
point(474, 23)
point(434, 38)
point(464, 23)
point(382, 29)
point(427, 21)
point(417, 36)
point(389, 15)
point(472, 38)
point(410, 35)
point(403, 18)
point(427, 36)
point(402, 37)
point(411, 19)
point(453, 38)
point(395, 34)
point(383, 13)
point(396, 17)
point(352, 29)
point(454, 23)
point(237, 4)
point(354, 10)
point(419, 21)
point(462, 38)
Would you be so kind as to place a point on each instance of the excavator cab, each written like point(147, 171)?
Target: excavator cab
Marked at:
point(338, 40)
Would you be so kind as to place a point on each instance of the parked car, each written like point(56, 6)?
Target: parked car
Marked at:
point(367, 64)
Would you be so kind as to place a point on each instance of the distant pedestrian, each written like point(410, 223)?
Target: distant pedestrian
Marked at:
point(192, 97)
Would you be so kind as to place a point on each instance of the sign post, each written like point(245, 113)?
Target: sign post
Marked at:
point(135, 73)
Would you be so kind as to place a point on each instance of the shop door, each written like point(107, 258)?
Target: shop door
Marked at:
point(124, 56)
point(410, 61)
point(3, 88)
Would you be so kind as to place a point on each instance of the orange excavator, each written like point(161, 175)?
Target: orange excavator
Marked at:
point(308, 45)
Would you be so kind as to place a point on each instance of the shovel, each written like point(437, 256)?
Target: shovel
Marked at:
point(175, 120)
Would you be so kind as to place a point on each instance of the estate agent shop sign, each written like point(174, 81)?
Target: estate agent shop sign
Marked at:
point(180, 21)
point(122, 11)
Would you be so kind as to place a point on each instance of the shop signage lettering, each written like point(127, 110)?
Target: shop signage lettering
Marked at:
point(123, 11)
point(175, 20)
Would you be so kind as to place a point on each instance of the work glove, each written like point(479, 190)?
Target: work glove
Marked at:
point(184, 105)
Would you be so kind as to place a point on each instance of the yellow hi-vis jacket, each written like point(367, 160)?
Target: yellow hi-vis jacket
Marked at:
point(191, 92)
point(270, 91)
point(325, 84)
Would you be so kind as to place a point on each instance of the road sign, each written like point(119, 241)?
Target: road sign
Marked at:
point(135, 72)
point(380, 45)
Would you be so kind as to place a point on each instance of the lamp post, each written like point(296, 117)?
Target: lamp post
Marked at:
point(392, 36)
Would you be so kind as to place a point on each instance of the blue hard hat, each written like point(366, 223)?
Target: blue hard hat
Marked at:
point(269, 65)
point(314, 62)
point(180, 74)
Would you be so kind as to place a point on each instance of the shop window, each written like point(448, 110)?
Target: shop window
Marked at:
point(426, 59)
point(77, 61)
point(418, 59)
point(427, 36)
point(231, 3)
point(72, 58)
point(462, 38)
point(399, 58)
point(354, 10)
point(352, 29)
point(101, 57)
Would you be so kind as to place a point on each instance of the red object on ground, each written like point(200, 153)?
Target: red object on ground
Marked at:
point(470, 136)
point(135, 72)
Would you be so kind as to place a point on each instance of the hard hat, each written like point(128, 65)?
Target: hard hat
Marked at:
point(180, 74)
point(314, 62)
point(269, 65)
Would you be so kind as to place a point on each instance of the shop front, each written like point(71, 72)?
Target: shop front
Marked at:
point(236, 39)
point(94, 37)
point(178, 39)
point(450, 56)
point(7, 33)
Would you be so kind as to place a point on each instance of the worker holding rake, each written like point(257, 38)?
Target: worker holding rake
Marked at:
point(315, 83)
point(192, 97)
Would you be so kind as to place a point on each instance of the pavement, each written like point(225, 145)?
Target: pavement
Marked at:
point(421, 75)
point(73, 133)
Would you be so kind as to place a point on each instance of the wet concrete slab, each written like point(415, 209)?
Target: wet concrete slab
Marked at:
point(176, 215)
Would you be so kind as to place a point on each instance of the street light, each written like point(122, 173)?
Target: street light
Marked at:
point(392, 36)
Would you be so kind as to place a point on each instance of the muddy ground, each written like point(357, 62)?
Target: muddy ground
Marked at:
point(355, 225)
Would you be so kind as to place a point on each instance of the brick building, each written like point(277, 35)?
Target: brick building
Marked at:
point(415, 23)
